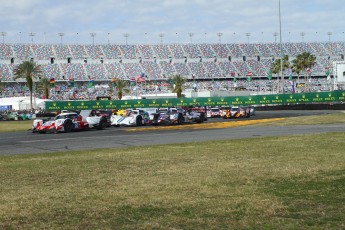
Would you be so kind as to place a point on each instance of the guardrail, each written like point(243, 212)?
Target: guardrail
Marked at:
point(272, 99)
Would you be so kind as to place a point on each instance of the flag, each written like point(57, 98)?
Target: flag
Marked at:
point(269, 75)
point(290, 74)
point(140, 78)
point(70, 83)
point(113, 82)
point(234, 79)
point(132, 81)
point(91, 83)
point(249, 74)
point(52, 82)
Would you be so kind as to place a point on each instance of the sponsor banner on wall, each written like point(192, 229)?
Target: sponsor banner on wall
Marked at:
point(278, 99)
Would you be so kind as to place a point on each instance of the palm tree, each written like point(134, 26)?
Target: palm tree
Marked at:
point(121, 87)
point(297, 66)
point(28, 70)
point(276, 65)
point(177, 84)
point(44, 85)
point(303, 62)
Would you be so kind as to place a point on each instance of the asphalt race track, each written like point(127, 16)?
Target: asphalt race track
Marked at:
point(27, 142)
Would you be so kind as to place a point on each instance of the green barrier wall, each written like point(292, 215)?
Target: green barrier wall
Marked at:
point(277, 99)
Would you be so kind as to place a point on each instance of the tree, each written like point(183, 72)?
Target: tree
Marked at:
point(30, 71)
point(305, 60)
point(302, 62)
point(297, 66)
point(121, 87)
point(44, 85)
point(177, 84)
point(276, 65)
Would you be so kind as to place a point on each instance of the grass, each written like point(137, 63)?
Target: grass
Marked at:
point(310, 120)
point(292, 182)
point(14, 126)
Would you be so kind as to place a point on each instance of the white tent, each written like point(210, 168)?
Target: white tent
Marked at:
point(22, 103)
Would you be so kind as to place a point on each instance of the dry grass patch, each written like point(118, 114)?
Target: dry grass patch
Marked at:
point(311, 120)
point(13, 126)
point(249, 183)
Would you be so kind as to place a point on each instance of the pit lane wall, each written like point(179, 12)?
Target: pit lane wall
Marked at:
point(272, 99)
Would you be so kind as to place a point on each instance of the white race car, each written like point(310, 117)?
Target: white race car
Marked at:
point(70, 121)
point(135, 117)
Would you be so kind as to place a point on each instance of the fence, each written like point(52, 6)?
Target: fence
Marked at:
point(276, 99)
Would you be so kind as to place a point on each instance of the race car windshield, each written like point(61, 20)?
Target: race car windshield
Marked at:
point(215, 110)
point(234, 109)
point(65, 116)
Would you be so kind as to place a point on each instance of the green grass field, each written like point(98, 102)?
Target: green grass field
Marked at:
point(292, 182)
point(13, 126)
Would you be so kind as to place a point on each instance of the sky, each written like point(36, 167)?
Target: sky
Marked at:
point(170, 21)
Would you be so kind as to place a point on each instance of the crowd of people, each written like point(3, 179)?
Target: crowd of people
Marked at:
point(206, 66)
point(82, 90)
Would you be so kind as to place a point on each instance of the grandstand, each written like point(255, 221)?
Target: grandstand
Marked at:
point(197, 62)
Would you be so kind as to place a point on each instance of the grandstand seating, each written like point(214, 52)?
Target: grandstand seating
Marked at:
point(151, 69)
point(167, 69)
point(78, 51)
point(177, 51)
point(161, 61)
point(42, 52)
point(94, 51)
point(132, 70)
point(6, 51)
point(197, 70)
point(61, 51)
point(111, 51)
point(162, 51)
point(192, 50)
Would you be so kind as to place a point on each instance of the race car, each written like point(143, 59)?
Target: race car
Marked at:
point(237, 112)
point(178, 116)
point(213, 112)
point(135, 117)
point(251, 110)
point(168, 116)
point(71, 121)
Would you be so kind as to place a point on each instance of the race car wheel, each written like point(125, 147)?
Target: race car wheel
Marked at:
point(201, 119)
point(102, 125)
point(139, 121)
point(68, 126)
point(180, 119)
point(224, 117)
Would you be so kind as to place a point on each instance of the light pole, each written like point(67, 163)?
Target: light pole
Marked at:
point(191, 37)
point(108, 38)
point(220, 37)
point(61, 35)
point(161, 35)
point(329, 36)
point(3, 34)
point(93, 35)
point(302, 35)
point(126, 35)
point(281, 51)
point(248, 35)
point(20, 37)
point(275, 34)
point(32, 35)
